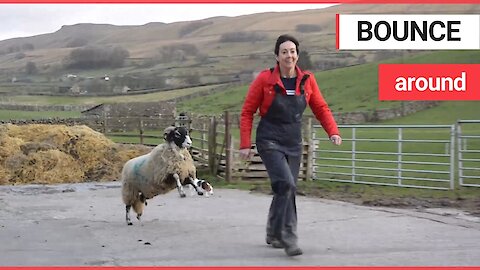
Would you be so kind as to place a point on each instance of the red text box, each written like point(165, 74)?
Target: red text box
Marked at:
point(429, 82)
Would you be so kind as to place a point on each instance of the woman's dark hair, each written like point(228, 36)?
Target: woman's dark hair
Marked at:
point(281, 39)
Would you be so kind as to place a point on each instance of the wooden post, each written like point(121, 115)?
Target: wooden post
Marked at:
point(204, 137)
point(104, 122)
point(310, 147)
point(228, 148)
point(140, 127)
point(212, 146)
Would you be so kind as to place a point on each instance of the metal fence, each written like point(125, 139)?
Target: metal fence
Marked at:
point(420, 156)
point(468, 145)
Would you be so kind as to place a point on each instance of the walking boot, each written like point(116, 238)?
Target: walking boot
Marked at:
point(274, 242)
point(293, 250)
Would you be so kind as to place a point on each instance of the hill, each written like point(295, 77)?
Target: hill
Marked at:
point(159, 55)
point(347, 89)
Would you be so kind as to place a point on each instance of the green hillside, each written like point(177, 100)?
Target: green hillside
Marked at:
point(346, 89)
point(352, 88)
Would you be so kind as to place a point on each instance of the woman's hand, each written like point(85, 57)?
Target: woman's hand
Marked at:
point(245, 153)
point(336, 139)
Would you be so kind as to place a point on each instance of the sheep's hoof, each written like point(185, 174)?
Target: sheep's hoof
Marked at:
point(183, 195)
point(129, 223)
point(200, 193)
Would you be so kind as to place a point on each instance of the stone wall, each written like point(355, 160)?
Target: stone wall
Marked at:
point(39, 108)
point(124, 123)
point(133, 109)
point(104, 125)
point(405, 108)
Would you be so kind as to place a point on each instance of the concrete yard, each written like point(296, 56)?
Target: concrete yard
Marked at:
point(84, 225)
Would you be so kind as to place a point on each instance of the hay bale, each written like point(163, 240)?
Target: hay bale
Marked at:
point(59, 154)
point(43, 167)
point(9, 146)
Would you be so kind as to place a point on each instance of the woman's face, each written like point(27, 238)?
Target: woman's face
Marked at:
point(287, 55)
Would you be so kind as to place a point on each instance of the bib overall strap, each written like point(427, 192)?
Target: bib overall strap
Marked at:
point(302, 83)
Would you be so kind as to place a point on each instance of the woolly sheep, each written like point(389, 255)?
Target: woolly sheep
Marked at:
point(167, 166)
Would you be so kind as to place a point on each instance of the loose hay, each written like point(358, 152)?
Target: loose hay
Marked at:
point(60, 154)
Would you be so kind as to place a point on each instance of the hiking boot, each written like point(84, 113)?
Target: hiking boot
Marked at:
point(293, 250)
point(274, 242)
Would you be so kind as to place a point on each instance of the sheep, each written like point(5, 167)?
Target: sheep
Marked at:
point(167, 166)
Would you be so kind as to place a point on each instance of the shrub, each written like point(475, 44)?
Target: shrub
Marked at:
point(191, 27)
point(308, 28)
point(96, 57)
point(242, 37)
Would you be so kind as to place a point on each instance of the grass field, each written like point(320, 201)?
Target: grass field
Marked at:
point(84, 100)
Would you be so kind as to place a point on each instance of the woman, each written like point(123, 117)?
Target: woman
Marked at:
point(281, 94)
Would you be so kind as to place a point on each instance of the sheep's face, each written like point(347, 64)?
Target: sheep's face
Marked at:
point(179, 136)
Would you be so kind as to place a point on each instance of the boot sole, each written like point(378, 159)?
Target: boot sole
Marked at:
point(293, 252)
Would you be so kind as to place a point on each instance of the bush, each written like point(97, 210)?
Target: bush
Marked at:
point(95, 57)
point(28, 47)
point(77, 42)
point(308, 28)
point(191, 27)
point(242, 37)
point(20, 55)
point(31, 68)
point(178, 52)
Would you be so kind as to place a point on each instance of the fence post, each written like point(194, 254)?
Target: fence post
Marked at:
point(140, 128)
point(453, 133)
point(204, 138)
point(310, 147)
point(212, 146)
point(104, 122)
point(228, 148)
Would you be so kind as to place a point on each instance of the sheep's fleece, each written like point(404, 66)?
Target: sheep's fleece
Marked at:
point(151, 174)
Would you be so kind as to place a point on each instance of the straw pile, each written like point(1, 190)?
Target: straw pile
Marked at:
point(60, 154)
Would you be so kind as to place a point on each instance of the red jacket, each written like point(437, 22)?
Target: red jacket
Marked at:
point(261, 94)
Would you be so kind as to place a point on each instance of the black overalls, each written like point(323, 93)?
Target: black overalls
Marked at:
point(279, 143)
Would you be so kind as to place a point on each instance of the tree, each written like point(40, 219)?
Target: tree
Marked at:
point(307, 28)
point(31, 68)
point(28, 47)
point(118, 56)
point(96, 57)
point(304, 60)
point(192, 78)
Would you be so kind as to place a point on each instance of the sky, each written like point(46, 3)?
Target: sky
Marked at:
point(24, 20)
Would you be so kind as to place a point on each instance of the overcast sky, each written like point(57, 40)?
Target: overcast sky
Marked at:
point(23, 20)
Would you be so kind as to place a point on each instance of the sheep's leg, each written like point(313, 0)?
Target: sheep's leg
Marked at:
point(190, 188)
point(179, 186)
point(139, 205)
point(143, 199)
point(127, 214)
